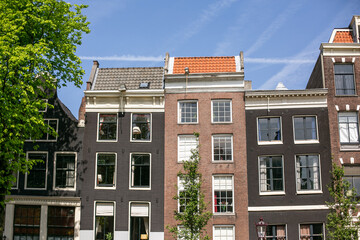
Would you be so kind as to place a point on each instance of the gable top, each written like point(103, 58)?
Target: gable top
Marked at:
point(343, 36)
point(130, 78)
point(177, 65)
point(351, 34)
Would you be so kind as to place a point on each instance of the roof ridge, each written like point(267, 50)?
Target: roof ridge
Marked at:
point(134, 68)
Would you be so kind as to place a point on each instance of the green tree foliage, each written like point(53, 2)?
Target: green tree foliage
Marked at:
point(340, 220)
point(193, 219)
point(38, 40)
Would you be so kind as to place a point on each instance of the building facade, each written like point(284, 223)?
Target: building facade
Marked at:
point(289, 162)
point(206, 95)
point(123, 154)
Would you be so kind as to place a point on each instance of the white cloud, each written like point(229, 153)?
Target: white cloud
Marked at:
point(279, 60)
point(126, 58)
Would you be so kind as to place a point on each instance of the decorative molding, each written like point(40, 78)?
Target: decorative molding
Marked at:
point(46, 200)
point(287, 208)
point(340, 49)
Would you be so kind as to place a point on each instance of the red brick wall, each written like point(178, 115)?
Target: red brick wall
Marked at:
point(341, 102)
point(238, 168)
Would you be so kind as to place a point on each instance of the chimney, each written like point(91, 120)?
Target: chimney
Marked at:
point(166, 67)
point(241, 60)
point(92, 75)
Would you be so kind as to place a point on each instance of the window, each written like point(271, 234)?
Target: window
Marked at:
point(183, 198)
point(307, 172)
point(271, 174)
point(222, 148)
point(105, 170)
point(139, 221)
point(344, 79)
point(27, 222)
point(221, 111)
point(185, 144)
point(65, 170)
point(44, 104)
point(14, 185)
point(141, 127)
point(107, 127)
point(352, 175)
point(36, 177)
point(276, 232)
point(311, 231)
point(305, 128)
point(188, 112)
point(104, 220)
point(53, 123)
point(223, 194)
point(224, 233)
point(140, 171)
point(61, 223)
point(269, 129)
point(349, 128)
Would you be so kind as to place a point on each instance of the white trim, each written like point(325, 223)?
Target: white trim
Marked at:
point(129, 214)
point(212, 110)
point(46, 170)
point(238, 63)
point(98, 123)
point(310, 141)
point(17, 181)
point(131, 128)
point(115, 173)
point(233, 196)
point(340, 49)
point(75, 171)
point(130, 171)
point(269, 193)
point(310, 191)
point(46, 101)
point(288, 208)
point(269, 142)
point(179, 112)
point(171, 65)
point(232, 148)
point(224, 225)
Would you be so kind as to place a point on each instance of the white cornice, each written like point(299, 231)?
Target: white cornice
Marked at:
point(43, 200)
point(285, 93)
point(287, 208)
point(340, 49)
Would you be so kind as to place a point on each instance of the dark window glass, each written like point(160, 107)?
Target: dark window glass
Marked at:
point(65, 170)
point(36, 178)
point(140, 170)
point(344, 79)
point(311, 231)
point(269, 129)
point(352, 175)
point(107, 126)
point(104, 226)
point(305, 128)
point(139, 228)
point(27, 222)
point(271, 174)
point(51, 123)
point(308, 172)
point(275, 232)
point(61, 223)
point(105, 170)
point(141, 126)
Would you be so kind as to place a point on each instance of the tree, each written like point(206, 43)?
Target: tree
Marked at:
point(38, 40)
point(193, 218)
point(340, 220)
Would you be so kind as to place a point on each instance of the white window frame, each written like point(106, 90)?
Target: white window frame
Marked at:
point(283, 178)
point(75, 171)
point(115, 173)
point(94, 215)
point(17, 181)
point(131, 128)
point(149, 216)
point(46, 169)
point(130, 172)
point(312, 223)
point(273, 141)
point(212, 110)
point(310, 191)
point(179, 111)
point(279, 224)
point(310, 140)
point(344, 114)
point(354, 79)
point(179, 157)
point(212, 148)
point(224, 226)
point(98, 124)
point(47, 134)
point(213, 191)
point(46, 101)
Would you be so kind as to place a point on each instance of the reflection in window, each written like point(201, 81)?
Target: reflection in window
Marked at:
point(139, 221)
point(106, 169)
point(65, 170)
point(307, 172)
point(276, 232)
point(223, 194)
point(269, 129)
point(349, 128)
point(305, 128)
point(61, 223)
point(222, 147)
point(271, 174)
point(311, 231)
point(140, 170)
point(141, 126)
point(344, 79)
point(107, 126)
point(352, 175)
point(27, 222)
point(36, 177)
point(104, 221)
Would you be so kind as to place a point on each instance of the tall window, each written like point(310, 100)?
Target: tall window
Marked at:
point(65, 170)
point(105, 170)
point(311, 231)
point(307, 172)
point(349, 127)
point(141, 127)
point(223, 194)
point(107, 127)
point(185, 144)
point(140, 170)
point(305, 128)
point(27, 222)
point(139, 221)
point(271, 174)
point(183, 198)
point(344, 79)
point(36, 177)
point(104, 220)
point(221, 111)
point(222, 148)
point(61, 223)
point(276, 232)
point(352, 175)
point(224, 233)
point(188, 112)
point(269, 129)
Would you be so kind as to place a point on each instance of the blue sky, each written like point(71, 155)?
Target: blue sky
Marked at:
point(280, 38)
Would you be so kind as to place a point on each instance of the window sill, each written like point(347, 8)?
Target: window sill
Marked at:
point(141, 141)
point(41, 189)
point(186, 123)
point(105, 188)
point(269, 142)
point(350, 147)
point(309, 192)
point(217, 123)
point(223, 214)
point(106, 140)
point(140, 188)
point(223, 161)
point(64, 189)
point(355, 95)
point(272, 193)
point(306, 141)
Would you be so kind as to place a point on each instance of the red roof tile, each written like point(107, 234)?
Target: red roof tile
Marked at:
point(204, 64)
point(343, 37)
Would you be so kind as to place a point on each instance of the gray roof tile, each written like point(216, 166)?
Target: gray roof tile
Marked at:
point(113, 78)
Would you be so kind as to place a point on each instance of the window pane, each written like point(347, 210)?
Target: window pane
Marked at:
point(188, 112)
point(344, 79)
point(61, 223)
point(141, 126)
point(269, 129)
point(224, 233)
point(65, 170)
point(36, 178)
point(222, 148)
point(221, 111)
point(348, 128)
point(223, 197)
point(308, 172)
point(271, 173)
point(27, 222)
point(140, 170)
point(107, 126)
point(106, 170)
point(185, 144)
point(305, 128)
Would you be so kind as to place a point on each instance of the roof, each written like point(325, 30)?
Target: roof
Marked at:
point(204, 64)
point(114, 78)
point(343, 37)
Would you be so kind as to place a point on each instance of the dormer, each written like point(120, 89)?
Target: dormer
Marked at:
point(347, 35)
point(355, 26)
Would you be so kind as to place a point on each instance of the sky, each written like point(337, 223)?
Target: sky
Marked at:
point(280, 38)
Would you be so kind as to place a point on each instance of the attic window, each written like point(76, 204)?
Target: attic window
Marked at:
point(144, 85)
